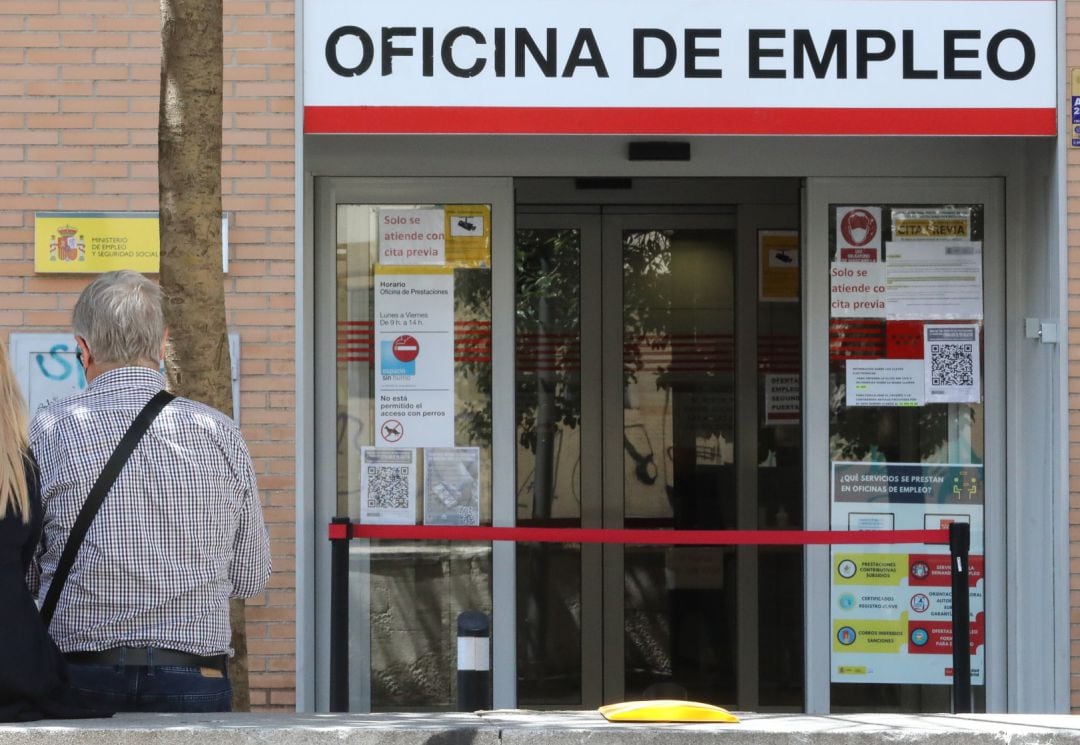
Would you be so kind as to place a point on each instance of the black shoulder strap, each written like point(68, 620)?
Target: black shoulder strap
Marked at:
point(97, 495)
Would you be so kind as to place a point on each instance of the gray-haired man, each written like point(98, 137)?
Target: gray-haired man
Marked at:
point(144, 616)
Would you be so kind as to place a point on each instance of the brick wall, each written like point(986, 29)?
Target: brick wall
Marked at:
point(78, 131)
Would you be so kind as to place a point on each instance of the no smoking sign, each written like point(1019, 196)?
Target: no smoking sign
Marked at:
point(405, 348)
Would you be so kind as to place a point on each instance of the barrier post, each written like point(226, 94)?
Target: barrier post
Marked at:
point(473, 661)
point(340, 533)
point(959, 546)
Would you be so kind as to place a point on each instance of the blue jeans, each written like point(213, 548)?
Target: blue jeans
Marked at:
point(115, 688)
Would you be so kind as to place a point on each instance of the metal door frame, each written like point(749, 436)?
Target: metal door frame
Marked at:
point(588, 223)
point(819, 194)
point(329, 192)
point(615, 222)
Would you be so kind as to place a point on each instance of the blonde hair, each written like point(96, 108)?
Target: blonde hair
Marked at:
point(14, 494)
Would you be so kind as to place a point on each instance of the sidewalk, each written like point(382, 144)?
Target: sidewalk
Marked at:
point(542, 728)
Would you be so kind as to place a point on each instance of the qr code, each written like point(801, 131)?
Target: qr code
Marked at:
point(952, 364)
point(388, 487)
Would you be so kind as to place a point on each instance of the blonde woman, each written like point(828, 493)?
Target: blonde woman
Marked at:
point(32, 672)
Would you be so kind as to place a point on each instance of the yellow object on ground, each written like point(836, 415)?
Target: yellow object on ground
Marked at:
point(666, 710)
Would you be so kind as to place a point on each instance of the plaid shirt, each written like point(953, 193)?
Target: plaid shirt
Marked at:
point(180, 532)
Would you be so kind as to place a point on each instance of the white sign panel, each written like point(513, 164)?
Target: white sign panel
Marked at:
point(885, 383)
point(857, 289)
point(387, 486)
point(452, 486)
point(46, 368)
point(412, 236)
point(782, 399)
point(891, 604)
point(952, 363)
point(840, 67)
point(933, 279)
point(858, 234)
point(414, 356)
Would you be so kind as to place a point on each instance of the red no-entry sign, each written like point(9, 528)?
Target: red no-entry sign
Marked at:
point(406, 348)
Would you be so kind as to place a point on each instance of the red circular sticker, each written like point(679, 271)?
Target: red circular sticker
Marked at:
point(858, 227)
point(406, 348)
point(392, 431)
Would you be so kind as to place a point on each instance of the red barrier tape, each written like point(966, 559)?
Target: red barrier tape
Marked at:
point(654, 537)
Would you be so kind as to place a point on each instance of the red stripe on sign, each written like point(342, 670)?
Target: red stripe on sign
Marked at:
point(649, 537)
point(677, 121)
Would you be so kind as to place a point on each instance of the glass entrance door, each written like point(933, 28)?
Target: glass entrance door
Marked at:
point(905, 337)
point(373, 272)
point(669, 454)
point(643, 348)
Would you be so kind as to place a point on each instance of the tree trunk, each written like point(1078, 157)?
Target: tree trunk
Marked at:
point(189, 197)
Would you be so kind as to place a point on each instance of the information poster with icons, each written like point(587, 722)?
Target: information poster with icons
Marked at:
point(414, 356)
point(891, 605)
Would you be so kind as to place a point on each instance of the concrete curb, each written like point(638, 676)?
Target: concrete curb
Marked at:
point(541, 728)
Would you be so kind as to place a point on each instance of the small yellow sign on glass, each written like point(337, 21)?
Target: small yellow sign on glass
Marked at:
point(468, 235)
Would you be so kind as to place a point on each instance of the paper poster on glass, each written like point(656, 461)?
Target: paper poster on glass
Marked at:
point(931, 223)
point(891, 605)
point(858, 234)
point(885, 382)
point(387, 486)
point(783, 398)
point(857, 290)
point(934, 280)
point(412, 236)
point(468, 235)
point(452, 486)
point(414, 356)
point(952, 363)
point(778, 266)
